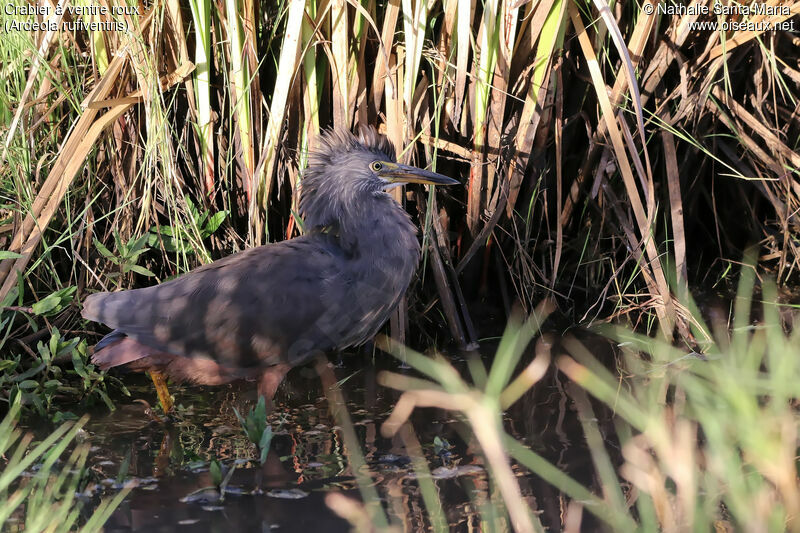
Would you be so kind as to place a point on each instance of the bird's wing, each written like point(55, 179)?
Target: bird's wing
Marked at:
point(259, 307)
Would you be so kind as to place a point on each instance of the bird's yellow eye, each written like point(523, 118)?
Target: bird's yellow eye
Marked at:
point(376, 166)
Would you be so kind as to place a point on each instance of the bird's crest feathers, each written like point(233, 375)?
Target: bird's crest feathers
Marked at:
point(340, 140)
point(328, 191)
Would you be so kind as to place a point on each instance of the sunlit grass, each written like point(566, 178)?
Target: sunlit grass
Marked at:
point(708, 437)
point(46, 498)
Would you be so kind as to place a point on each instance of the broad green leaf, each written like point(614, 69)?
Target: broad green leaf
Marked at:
point(55, 339)
point(46, 304)
point(140, 270)
point(215, 221)
point(135, 245)
point(28, 384)
point(55, 301)
point(105, 252)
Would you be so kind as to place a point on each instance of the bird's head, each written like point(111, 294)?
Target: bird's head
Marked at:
point(345, 172)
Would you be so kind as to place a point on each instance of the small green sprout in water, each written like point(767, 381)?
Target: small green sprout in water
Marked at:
point(441, 447)
point(256, 428)
point(220, 477)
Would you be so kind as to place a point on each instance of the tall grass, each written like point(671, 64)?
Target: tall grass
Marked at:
point(540, 107)
point(708, 438)
point(41, 481)
point(583, 132)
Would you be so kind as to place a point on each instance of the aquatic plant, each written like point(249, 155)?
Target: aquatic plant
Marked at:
point(56, 371)
point(256, 428)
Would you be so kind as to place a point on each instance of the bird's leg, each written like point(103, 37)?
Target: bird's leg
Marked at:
point(270, 380)
point(160, 383)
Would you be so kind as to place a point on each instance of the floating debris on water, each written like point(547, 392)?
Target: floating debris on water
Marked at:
point(449, 472)
point(288, 494)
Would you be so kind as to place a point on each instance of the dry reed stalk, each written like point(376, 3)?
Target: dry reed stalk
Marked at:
point(180, 51)
point(500, 86)
point(664, 310)
point(287, 69)
point(676, 207)
point(444, 67)
point(381, 73)
point(482, 68)
point(239, 80)
point(741, 37)
point(545, 24)
point(137, 95)
point(487, 229)
point(770, 139)
point(70, 160)
point(359, 115)
point(638, 41)
point(414, 22)
point(310, 98)
point(443, 287)
point(339, 46)
point(200, 103)
point(558, 141)
point(751, 144)
point(465, 10)
point(440, 144)
point(443, 244)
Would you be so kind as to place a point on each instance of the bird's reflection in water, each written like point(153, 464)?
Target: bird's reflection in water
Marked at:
point(308, 458)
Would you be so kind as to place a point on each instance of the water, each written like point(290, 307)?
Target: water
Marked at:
point(308, 460)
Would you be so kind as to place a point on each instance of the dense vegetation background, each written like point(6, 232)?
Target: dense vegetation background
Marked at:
point(142, 153)
point(611, 160)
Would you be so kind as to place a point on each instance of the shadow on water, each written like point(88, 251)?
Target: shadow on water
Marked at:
point(171, 463)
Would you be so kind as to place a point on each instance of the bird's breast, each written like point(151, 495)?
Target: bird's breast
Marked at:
point(377, 275)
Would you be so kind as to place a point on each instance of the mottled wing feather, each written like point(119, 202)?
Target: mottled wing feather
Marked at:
point(259, 307)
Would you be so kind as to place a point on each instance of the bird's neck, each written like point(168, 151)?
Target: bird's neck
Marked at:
point(379, 229)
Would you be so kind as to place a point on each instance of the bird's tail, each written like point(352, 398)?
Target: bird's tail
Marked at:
point(117, 349)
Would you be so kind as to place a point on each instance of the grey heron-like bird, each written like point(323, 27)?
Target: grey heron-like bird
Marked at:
point(260, 312)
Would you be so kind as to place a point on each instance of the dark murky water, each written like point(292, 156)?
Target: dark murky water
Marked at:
point(308, 459)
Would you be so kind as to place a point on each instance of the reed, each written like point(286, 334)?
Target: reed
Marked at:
point(485, 86)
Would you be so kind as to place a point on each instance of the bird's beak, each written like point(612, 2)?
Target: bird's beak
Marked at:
point(397, 174)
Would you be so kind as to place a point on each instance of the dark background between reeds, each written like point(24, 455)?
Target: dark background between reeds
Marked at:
point(132, 157)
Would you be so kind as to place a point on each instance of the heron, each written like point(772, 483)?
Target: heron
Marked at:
point(260, 312)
